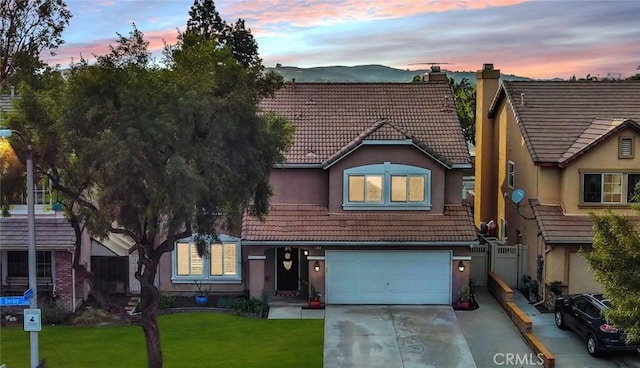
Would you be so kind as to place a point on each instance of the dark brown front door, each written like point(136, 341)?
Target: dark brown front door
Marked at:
point(287, 269)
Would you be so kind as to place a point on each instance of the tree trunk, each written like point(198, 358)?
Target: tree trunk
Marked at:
point(152, 337)
point(150, 299)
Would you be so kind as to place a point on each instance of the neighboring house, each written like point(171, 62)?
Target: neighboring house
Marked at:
point(562, 150)
point(367, 208)
point(55, 244)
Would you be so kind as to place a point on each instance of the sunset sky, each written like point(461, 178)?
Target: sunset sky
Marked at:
point(538, 39)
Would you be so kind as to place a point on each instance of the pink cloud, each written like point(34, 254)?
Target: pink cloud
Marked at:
point(74, 51)
point(303, 13)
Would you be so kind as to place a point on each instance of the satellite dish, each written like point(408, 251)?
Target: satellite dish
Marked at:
point(517, 196)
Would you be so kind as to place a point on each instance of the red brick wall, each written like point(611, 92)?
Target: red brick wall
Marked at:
point(63, 279)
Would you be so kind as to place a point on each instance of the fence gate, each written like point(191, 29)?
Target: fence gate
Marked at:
point(479, 264)
point(509, 262)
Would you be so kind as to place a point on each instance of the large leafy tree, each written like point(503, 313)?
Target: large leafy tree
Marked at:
point(614, 262)
point(157, 153)
point(464, 95)
point(27, 28)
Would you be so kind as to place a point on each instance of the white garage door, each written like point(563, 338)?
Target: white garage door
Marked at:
point(388, 277)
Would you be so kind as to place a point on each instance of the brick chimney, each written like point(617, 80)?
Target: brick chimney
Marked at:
point(488, 81)
point(435, 75)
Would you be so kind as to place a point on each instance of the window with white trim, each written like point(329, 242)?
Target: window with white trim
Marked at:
point(609, 188)
point(18, 263)
point(511, 174)
point(221, 262)
point(387, 186)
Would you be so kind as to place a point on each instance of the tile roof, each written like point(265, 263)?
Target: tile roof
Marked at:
point(552, 115)
point(334, 118)
point(51, 232)
point(306, 222)
point(598, 131)
point(558, 228)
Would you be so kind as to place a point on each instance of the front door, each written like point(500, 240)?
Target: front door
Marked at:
point(287, 269)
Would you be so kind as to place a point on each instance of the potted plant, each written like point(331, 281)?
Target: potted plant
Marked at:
point(464, 296)
point(314, 298)
point(202, 296)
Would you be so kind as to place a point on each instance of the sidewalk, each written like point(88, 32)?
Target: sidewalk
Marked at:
point(492, 337)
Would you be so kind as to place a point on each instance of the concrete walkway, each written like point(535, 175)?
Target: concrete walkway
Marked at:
point(492, 337)
point(294, 312)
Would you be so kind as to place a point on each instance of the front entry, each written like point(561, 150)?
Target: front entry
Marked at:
point(287, 267)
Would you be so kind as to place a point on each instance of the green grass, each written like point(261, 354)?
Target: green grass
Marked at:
point(188, 340)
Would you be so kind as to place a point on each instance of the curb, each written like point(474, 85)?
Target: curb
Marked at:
point(504, 295)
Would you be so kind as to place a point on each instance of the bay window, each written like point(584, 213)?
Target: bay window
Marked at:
point(387, 186)
point(221, 262)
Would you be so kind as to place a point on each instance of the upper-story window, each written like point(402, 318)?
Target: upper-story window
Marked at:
point(609, 188)
point(511, 174)
point(221, 263)
point(387, 186)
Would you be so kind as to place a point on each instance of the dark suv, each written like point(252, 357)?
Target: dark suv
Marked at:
point(584, 315)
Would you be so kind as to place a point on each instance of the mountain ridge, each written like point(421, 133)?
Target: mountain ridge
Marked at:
point(372, 73)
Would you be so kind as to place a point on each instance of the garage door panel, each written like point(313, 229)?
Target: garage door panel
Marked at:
point(389, 277)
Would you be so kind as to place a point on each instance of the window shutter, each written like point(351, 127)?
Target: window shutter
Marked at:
point(216, 259)
point(230, 259)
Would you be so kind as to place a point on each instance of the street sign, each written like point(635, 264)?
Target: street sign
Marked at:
point(32, 319)
point(7, 301)
point(28, 294)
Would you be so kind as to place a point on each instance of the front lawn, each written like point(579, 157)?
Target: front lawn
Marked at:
point(188, 340)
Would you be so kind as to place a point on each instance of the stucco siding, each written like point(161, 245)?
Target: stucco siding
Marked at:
point(309, 186)
point(602, 158)
point(404, 155)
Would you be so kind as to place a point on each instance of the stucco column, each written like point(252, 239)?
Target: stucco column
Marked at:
point(256, 275)
point(487, 83)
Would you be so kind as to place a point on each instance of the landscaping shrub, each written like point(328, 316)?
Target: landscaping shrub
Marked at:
point(251, 306)
point(167, 301)
point(52, 314)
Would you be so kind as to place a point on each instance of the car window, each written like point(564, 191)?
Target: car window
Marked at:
point(592, 311)
point(580, 303)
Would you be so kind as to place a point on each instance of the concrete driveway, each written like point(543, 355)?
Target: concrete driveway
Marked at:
point(571, 351)
point(394, 337)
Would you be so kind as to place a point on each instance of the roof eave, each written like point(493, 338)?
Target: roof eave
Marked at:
point(459, 243)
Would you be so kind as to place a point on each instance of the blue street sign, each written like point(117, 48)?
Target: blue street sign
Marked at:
point(7, 301)
point(28, 294)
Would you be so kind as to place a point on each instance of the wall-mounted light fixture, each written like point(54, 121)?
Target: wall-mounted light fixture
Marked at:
point(461, 266)
point(316, 266)
point(306, 252)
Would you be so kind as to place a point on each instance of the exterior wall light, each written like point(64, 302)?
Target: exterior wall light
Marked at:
point(316, 266)
point(306, 252)
point(461, 266)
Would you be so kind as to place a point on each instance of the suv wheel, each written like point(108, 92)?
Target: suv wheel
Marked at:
point(559, 318)
point(592, 345)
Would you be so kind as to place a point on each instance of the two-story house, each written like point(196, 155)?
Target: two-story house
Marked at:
point(549, 153)
point(367, 208)
point(55, 241)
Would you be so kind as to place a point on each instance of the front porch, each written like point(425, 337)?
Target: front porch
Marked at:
point(284, 274)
